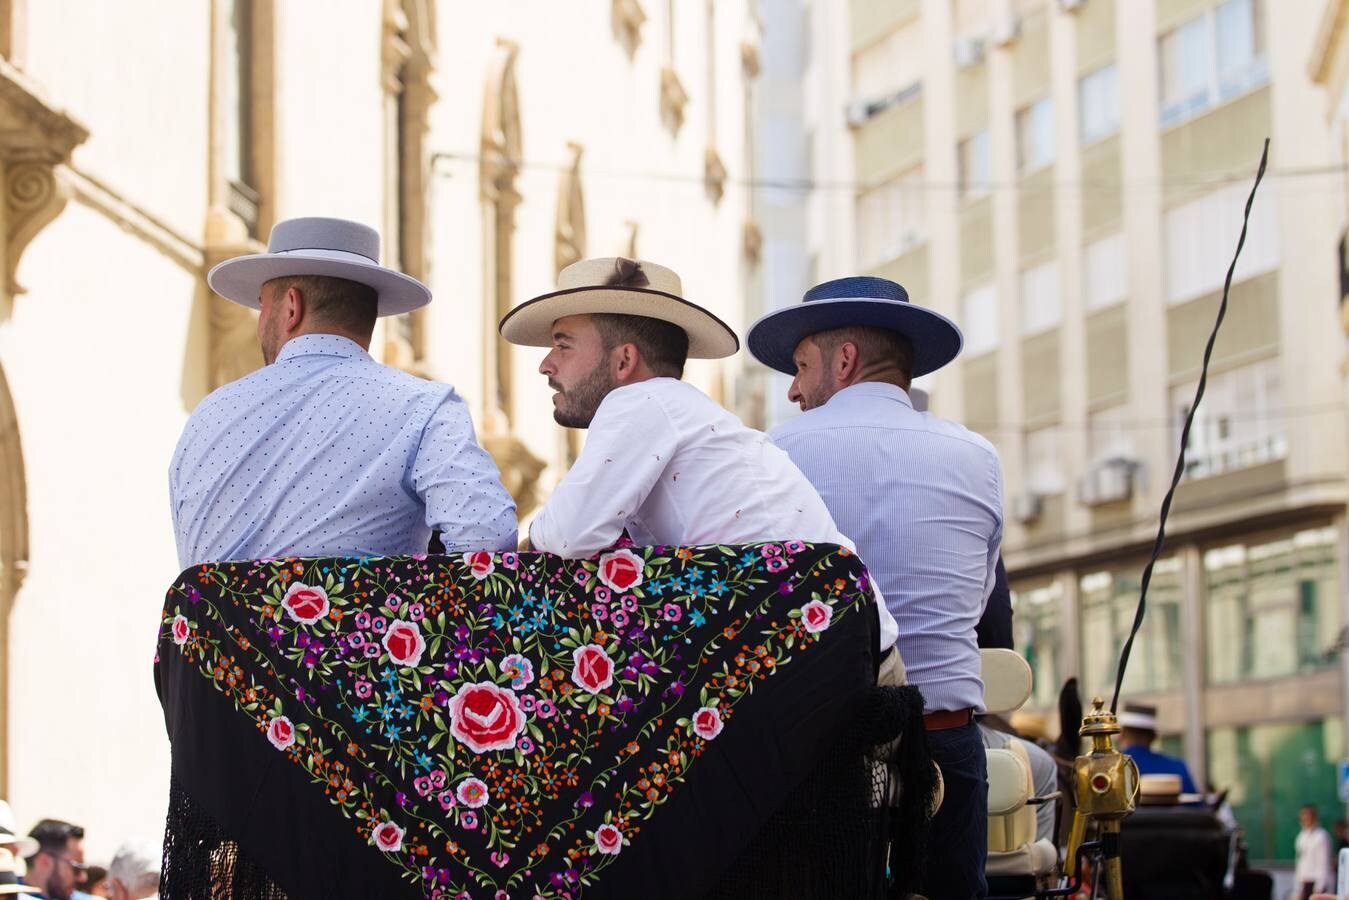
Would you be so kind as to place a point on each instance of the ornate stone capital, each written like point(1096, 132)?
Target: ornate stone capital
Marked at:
point(35, 138)
point(673, 99)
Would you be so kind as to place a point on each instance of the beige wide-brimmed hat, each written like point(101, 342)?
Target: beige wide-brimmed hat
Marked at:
point(314, 245)
point(615, 284)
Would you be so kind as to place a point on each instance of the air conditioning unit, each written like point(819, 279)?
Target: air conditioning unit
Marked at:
point(1108, 481)
point(969, 51)
point(858, 112)
point(1070, 5)
point(1005, 30)
point(1027, 507)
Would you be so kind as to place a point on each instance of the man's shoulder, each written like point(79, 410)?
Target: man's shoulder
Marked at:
point(822, 420)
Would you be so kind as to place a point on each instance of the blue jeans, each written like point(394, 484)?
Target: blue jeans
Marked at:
point(958, 844)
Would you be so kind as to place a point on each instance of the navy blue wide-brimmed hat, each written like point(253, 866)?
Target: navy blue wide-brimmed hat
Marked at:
point(846, 302)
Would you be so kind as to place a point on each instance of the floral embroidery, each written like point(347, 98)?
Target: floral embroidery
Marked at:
point(502, 724)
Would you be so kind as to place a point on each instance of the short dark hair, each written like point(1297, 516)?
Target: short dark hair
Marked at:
point(664, 345)
point(874, 345)
point(52, 835)
point(335, 301)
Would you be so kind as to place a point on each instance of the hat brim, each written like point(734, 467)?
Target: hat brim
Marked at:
point(531, 323)
point(24, 847)
point(1136, 720)
point(773, 338)
point(241, 279)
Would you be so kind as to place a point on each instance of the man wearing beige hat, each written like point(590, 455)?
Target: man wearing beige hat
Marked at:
point(323, 451)
point(662, 461)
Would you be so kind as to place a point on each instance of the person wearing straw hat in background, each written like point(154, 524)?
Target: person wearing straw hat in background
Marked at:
point(323, 451)
point(10, 885)
point(662, 460)
point(921, 496)
point(18, 846)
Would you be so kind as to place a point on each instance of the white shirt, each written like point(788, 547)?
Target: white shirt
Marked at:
point(325, 452)
point(672, 467)
point(922, 497)
point(1313, 858)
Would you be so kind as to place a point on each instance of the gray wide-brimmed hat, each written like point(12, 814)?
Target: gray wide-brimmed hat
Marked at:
point(856, 300)
point(336, 248)
point(615, 284)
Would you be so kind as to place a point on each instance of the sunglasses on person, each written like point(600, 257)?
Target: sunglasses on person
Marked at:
point(78, 867)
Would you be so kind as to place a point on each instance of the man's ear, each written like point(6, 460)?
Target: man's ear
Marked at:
point(293, 310)
point(844, 364)
point(624, 362)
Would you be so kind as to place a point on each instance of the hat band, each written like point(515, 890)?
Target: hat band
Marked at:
point(324, 253)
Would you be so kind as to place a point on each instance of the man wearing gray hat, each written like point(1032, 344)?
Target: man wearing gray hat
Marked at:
point(323, 451)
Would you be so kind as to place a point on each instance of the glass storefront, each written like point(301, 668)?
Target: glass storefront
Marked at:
point(1036, 630)
point(1273, 606)
point(1109, 602)
point(1271, 771)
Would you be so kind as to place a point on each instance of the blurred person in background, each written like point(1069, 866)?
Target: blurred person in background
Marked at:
point(133, 873)
point(57, 868)
point(19, 847)
point(1314, 868)
point(1139, 724)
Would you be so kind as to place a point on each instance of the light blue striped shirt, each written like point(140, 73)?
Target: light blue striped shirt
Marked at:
point(922, 499)
point(326, 452)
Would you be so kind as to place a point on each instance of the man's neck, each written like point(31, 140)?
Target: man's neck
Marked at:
point(881, 375)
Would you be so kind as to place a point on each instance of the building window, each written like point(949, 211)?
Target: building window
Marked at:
point(1041, 303)
point(891, 218)
point(1273, 769)
point(1098, 101)
point(1238, 425)
point(1104, 272)
point(1108, 435)
point(1273, 606)
point(236, 87)
point(1035, 135)
point(1109, 601)
point(1035, 623)
point(979, 319)
point(1044, 461)
point(1201, 237)
point(889, 66)
point(972, 156)
point(1212, 58)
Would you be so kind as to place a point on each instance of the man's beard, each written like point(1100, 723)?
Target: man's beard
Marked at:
point(583, 398)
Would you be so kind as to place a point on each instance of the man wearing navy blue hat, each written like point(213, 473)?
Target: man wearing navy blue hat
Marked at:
point(922, 499)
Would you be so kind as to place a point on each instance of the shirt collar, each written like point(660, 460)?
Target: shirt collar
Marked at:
point(879, 389)
point(321, 345)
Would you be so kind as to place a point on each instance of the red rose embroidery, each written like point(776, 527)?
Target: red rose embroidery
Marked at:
point(593, 670)
point(486, 717)
point(281, 733)
point(816, 615)
point(405, 643)
point(608, 840)
point(305, 604)
point(479, 564)
point(388, 837)
point(621, 570)
point(180, 630)
point(707, 723)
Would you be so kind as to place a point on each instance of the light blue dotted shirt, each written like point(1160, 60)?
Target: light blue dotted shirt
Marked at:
point(326, 452)
point(922, 499)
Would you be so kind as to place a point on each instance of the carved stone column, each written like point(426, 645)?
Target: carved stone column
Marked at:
point(36, 140)
point(499, 163)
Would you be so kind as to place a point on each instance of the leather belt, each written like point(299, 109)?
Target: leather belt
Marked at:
point(946, 719)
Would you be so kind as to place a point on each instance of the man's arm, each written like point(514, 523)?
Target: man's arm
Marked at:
point(630, 443)
point(460, 484)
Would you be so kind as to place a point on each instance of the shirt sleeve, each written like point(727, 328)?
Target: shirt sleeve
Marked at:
point(631, 441)
point(460, 484)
